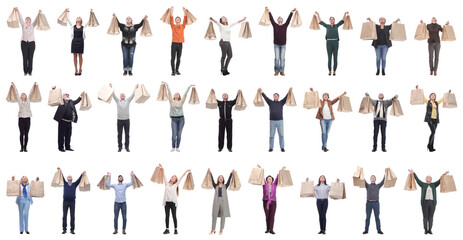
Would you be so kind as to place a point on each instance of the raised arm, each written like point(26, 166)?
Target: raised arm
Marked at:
point(77, 101)
point(107, 181)
point(418, 181)
point(137, 26)
point(130, 98)
point(119, 24)
point(272, 21)
point(186, 93)
point(36, 20)
point(213, 182)
point(131, 181)
point(21, 20)
point(78, 180)
point(229, 180)
point(169, 94)
point(382, 182)
point(290, 16)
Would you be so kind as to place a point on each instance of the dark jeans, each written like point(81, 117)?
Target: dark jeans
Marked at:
point(71, 206)
point(434, 49)
point(227, 54)
point(123, 125)
point(332, 47)
point(432, 126)
point(175, 51)
point(170, 207)
point(24, 126)
point(128, 52)
point(64, 134)
point(225, 125)
point(28, 49)
point(122, 207)
point(428, 214)
point(377, 124)
point(375, 207)
point(322, 206)
point(270, 214)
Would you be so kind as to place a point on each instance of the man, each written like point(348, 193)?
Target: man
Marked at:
point(119, 204)
point(279, 41)
point(373, 203)
point(428, 199)
point(123, 118)
point(69, 200)
point(225, 121)
point(177, 40)
point(65, 115)
point(276, 118)
point(380, 119)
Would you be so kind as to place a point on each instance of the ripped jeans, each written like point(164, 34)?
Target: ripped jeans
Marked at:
point(128, 51)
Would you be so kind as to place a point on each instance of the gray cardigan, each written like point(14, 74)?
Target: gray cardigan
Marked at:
point(123, 106)
point(221, 201)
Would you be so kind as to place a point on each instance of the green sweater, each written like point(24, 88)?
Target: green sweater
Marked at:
point(424, 187)
point(332, 32)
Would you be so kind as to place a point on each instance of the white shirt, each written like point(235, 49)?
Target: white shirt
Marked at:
point(429, 194)
point(24, 106)
point(379, 109)
point(170, 192)
point(225, 31)
point(326, 111)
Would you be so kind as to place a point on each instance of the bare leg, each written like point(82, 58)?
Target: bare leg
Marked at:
point(75, 61)
point(80, 63)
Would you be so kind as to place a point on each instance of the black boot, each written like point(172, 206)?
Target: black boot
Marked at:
point(125, 73)
point(130, 73)
point(377, 72)
point(383, 72)
point(374, 149)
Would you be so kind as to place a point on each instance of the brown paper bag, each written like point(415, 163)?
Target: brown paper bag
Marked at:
point(338, 191)
point(359, 178)
point(63, 18)
point(314, 23)
point(307, 189)
point(257, 177)
point(347, 24)
point(245, 30)
point(13, 188)
point(417, 97)
point(398, 32)
point(146, 29)
point(11, 97)
point(265, 19)
point(235, 183)
point(211, 101)
point(102, 184)
point(189, 183)
point(42, 23)
point(84, 185)
point(190, 19)
point(210, 33)
point(421, 32)
point(410, 184)
point(258, 100)
point(166, 17)
point(105, 93)
point(240, 102)
point(284, 179)
point(447, 184)
point(162, 94)
point(55, 98)
point(396, 109)
point(450, 101)
point(290, 100)
point(448, 34)
point(390, 178)
point(158, 175)
point(13, 19)
point(141, 94)
point(35, 94)
point(344, 104)
point(296, 21)
point(114, 27)
point(37, 189)
point(58, 180)
point(92, 21)
point(311, 100)
point(85, 103)
point(368, 31)
point(136, 182)
point(194, 99)
point(207, 182)
point(366, 106)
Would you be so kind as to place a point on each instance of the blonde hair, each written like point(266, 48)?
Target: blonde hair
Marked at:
point(27, 180)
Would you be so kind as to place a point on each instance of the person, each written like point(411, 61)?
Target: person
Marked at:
point(276, 118)
point(120, 204)
point(279, 40)
point(332, 40)
point(170, 201)
point(428, 199)
point(69, 200)
point(225, 121)
point(176, 116)
point(382, 44)
point(24, 116)
point(373, 203)
point(27, 41)
point(128, 43)
point(380, 107)
point(65, 115)
point(322, 192)
point(434, 44)
point(178, 39)
point(269, 200)
point(24, 201)
point(123, 118)
point(225, 45)
point(77, 44)
point(326, 116)
point(220, 207)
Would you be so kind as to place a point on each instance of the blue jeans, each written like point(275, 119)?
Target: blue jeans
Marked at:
point(280, 51)
point(325, 124)
point(122, 207)
point(381, 52)
point(276, 125)
point(177, 127)
point(128, 51)
point(23, 206)
point(375, 207)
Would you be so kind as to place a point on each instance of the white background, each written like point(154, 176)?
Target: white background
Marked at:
point(94, 136)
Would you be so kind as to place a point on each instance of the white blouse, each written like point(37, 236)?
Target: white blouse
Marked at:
point(170, 192)
point(225, 30)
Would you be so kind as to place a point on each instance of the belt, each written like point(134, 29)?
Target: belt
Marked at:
point(119, 202)
point(27, 41)
point(176, 116)
point(332, 39)
point(372, 200)
point(66, 120)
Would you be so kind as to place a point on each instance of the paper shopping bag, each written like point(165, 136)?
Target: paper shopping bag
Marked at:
point(359, 178)
point(63, 18)
point(162, 94)
point(258, 100)
point(347, 24)
point(338, 191)
point(450, 101)
point(190, 19)
point(390, 178)
point(55, 97)
point(421, 32)
point(136, 182)
point(13, 19)
point(307, 189)
point(58, 180)
point(257, 177)
point(85, 103)
point(296, 21)
point(35, 94)
point(265, 19)
point(166, 17)
point(398, 32)
point(284, 179)
point(92, 21)
point(314, 23)
point(146, 29)
point(447, 184)
point(448, 34)
point(11, 97)
point(207, 182)
point(235, 183)
point(366, 106)
point(396, 109)
point(368, 31)
point(290, 100)
point(105, 93)
point(344, 104)
point(194, 99)
point(102, 184)
point(42, 23)
point(211, 101)
point(245, 30)
point(189, 183)
point(417, 97)
point(13, 188)
point(37, 189)
point(311, 100)
point(158, 175)
point(114, 27)
point(240, 104)
point(141, 94)
point(410, 184)
point(84, 185)
point(210, 33)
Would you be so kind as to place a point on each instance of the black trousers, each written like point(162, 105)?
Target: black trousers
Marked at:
point(322, 207)
point(28, 49)
point(432, 126)
point(227, 54)
point(175, 51)
point(170, 207)
point(225, 125)
point(377, 125)
point(24, 126)
point(123, 125)
point(71, 206)
point(64, 134)
point(428, 214)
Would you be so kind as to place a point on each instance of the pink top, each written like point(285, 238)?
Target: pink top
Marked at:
point(27, 30)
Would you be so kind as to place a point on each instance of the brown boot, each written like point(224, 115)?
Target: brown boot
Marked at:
point(276, 74)
point(430, 73)
point(282, 74)
point(435, 73)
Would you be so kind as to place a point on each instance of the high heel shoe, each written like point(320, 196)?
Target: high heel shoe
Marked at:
point(212, 232)
point(221, 232)
point(329, 73)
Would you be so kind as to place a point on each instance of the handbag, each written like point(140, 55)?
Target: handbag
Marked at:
point(162, 94)
point(207, 182)
point(314, 25)
point(92, 21)
point(13, 19)
point(37, 189)
point(235, 183)
point(189, 183)
point(337, 191)
point(35, 94)
point(85, 104)
point(290, 100)
point(55, 97)
point(63, 18)
point(417, 97)
point(396, 108)
point(347, 23)
point(410, 184)
point(136, 182)
point(190, 19)
point(166, 17)
point(450, 101)
point(447, 184)
point(102, 184)
point(390, 179)
point(284, 179)
point(13, 188)
point(58, 180)
point(210, 33)
point(11, 97)
point(84, 185)
point(366, 106)
point(258, 100)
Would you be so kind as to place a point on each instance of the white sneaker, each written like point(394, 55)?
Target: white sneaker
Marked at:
point(172, 150)
point(178, 149)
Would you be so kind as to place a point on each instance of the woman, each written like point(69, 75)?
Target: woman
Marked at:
point(428, 199)
point(434, 44)
point(77, 44)
point(382, 43)
point(24, 115)
point(176, 116)
point(332, 40)
point(322, 192)
point(24, 201)
point(220, 206)
point(128, 44)
point(177, 40)
point(326, 116)
point(170, 199)
point(269, 200)
point(27, 42)
point(225, 45)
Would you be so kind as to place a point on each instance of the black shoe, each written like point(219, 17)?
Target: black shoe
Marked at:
point(29, 233)
point(374, 149)
point(64, 232)
point(425, 232)
point(25, 150)
point(321, 231)
point(377, 72)
point(61, 150)
point(282, 150)
point(324, 232)
point(430, 232)
point(230, 150)
point(72, 232)
point(130, 73)
point(123, 231)
point(267, 231)
point(70, 149)
point(220, 150)
point(383, 149)
point(380, 232)
point(325, 150)
point(172, 74)
point(119, 149)
point(366, 232)
point(271, 232)
point(22, 150)
point(270, 150)
point(334, 74)
point(383, 72)
point(115, 232)
point(175, 232)
point(177, 73)
point(223, 72)
point(20, 232)
point(125, 73)
point(227, 72)
point(127, 149)
point(166, 231)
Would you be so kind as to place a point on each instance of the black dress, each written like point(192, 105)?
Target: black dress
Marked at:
point(77, 45)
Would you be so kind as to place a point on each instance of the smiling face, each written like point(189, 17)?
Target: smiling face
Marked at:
point(381, 96)
point(332, 20)
point(28, 21)
point(434, 20)
point(269, 180)
point(432, 96)
point(225, 97)
point(23, 97)
point(128, 21)
point(120, 179)
point(78, 21)
point(224, 20)
point(178, 20)
point(66, 96)
point(280, 21)
point(173, 179)
point(276, 96)
point(220, 179)
point(122, 96)
point(69, 179)
point(24, 180)
point(428, 179)
point(382, 20)
point(177, 97)
point(326, 96)
point(373, 179)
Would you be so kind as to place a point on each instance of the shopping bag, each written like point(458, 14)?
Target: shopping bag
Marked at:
point(257, 177)
point(38, 189)
point(63, 18)
point(114, 27)
point(389, 179)
point(421, 32)
point(189, 183)
point(146, 29)
point(284, 179)
point(105, 93)
point(162, 94)
point(447, 184)
point(207, 182)
point(84, 185)
point(141, 94)
point(194, 99)
point(102, 184)
point(245, 30)
point(398, 32)
point(210, 33)
point(338, 191)
point(307, 189)
point(396, 108)
point(211, 101)
point(359, 178)
point(158, 175)
point(265, 19)
point(92, 21)
point(55, 97)
point(13, 188)
point(42, 23)
point(347, 24)
point(235, 183)
point(290, 100)
point(344, 104)
point(448, 34)
point(240, 104)
point(13, 19)
point(166, 17)
point(11, 97)
point(450, 100)
point(58, 180)
point(314, 23)
point(368, 31)
point(417, 97)
point(296, 21)
point(366, 106)
point(410, 184)
point(190, 19)
point(85, 103)
point(258, 100)
point(311, 100)
point(35, 94)
point(136, 182)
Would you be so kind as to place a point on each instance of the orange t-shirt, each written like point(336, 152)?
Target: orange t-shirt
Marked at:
point(177, 30)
